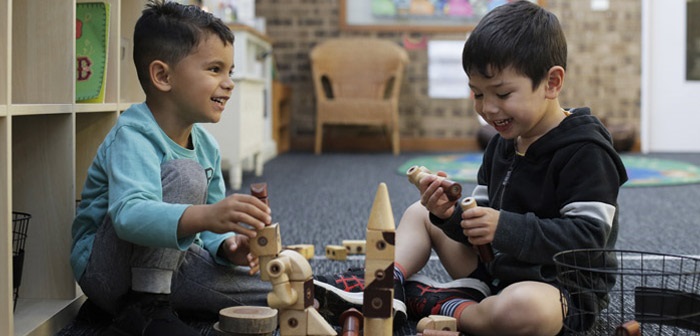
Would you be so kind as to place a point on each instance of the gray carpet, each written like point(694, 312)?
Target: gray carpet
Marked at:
point(325, 199)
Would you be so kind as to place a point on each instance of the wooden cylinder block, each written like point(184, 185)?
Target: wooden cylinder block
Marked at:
point(453, 190)
point(485, 251)
point(247, 320)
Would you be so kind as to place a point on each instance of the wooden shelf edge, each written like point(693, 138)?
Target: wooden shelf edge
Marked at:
point(39, 109)
point(87, 108)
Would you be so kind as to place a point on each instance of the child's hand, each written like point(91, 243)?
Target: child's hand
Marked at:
point(433, 196)
point(479, 224)
point(237, 250)
point(229, 214)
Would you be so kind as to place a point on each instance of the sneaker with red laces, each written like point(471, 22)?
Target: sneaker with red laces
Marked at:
point(352, 280)
point(339, 292)
point(425, 297)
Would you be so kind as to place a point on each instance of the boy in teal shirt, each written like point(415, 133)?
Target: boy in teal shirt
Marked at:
point(154, 230)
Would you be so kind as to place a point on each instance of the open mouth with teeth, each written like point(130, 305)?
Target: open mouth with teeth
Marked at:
point(221, 101)
point(502, 124)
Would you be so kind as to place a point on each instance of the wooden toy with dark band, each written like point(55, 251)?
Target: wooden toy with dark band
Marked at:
point(453, 190)
point(292, 281)
point(485, 251)
point(351, 320)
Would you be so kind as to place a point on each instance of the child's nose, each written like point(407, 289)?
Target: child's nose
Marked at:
point(228, 84)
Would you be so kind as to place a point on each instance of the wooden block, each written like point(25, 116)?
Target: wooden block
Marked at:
point(268, 241)
point(378, 303)
point(336, 252)
point(380, 245)
point(379, 273)
point(437, 322)
point(304, 323)
point(306, 250)
point(378, 326)
point(292, 282)
point(249, 320)
point(354, 246)
point(263, 261)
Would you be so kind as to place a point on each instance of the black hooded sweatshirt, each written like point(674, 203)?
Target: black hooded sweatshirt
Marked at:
point(561, 195)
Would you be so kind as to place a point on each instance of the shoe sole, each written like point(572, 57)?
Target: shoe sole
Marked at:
point(334, 301)
point(459, 283)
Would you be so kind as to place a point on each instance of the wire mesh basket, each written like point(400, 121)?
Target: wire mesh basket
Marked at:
point(647, 293)
point(20, 224)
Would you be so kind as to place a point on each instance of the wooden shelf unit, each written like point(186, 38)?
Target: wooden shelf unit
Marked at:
point(47, 143)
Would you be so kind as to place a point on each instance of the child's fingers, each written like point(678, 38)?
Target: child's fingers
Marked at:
point(239, 229)
point(256, 202)
point(254, 263)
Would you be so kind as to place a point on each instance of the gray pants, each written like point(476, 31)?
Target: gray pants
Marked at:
point(193, 279)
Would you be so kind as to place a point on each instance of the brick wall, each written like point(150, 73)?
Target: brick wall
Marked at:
point(603, 71)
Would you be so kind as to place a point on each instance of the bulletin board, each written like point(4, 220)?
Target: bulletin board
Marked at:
point(416, 15)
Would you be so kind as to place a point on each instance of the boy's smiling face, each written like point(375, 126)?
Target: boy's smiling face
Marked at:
point(201, 82)
point(507, 101)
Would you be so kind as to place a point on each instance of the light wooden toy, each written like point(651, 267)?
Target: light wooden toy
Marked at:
point(378, 297)
point(306, 250)
point(485, 251)
point(354, 246)
point(292, 282)
point(437, 322)
point(336, 252)
point(453, 190)
point(247, 320)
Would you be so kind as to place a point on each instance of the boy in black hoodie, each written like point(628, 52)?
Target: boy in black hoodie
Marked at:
point(548, 183)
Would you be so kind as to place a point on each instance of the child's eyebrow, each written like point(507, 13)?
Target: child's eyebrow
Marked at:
point(495, 85)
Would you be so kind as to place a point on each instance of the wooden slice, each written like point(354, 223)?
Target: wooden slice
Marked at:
point(248, 320)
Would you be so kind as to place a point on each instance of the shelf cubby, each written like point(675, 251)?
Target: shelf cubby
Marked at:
point(47, 143)
point(43, 44)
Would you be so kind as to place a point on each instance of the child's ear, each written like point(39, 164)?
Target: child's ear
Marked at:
point(159, 72)
point(555, 82)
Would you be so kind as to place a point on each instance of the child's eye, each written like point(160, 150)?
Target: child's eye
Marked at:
point(504, 96)
point(478, 96)
point(215, 69)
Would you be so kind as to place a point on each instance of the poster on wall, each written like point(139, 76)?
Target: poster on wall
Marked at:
point(416, 15)
point(692, 62)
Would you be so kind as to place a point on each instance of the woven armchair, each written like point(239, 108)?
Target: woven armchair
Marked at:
point(357, 82)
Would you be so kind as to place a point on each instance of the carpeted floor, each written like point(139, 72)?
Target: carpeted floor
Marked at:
point(643, 171)
point(322, 200)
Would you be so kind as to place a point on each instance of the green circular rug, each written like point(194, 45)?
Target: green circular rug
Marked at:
point(642, 171)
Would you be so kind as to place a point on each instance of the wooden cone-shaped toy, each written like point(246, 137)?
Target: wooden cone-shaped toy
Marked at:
point(379, 267)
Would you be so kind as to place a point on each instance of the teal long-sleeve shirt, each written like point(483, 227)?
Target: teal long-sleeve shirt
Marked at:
point(124, 182)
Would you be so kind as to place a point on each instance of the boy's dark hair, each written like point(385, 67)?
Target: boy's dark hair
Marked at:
point(519, 34)
point(169, 31)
